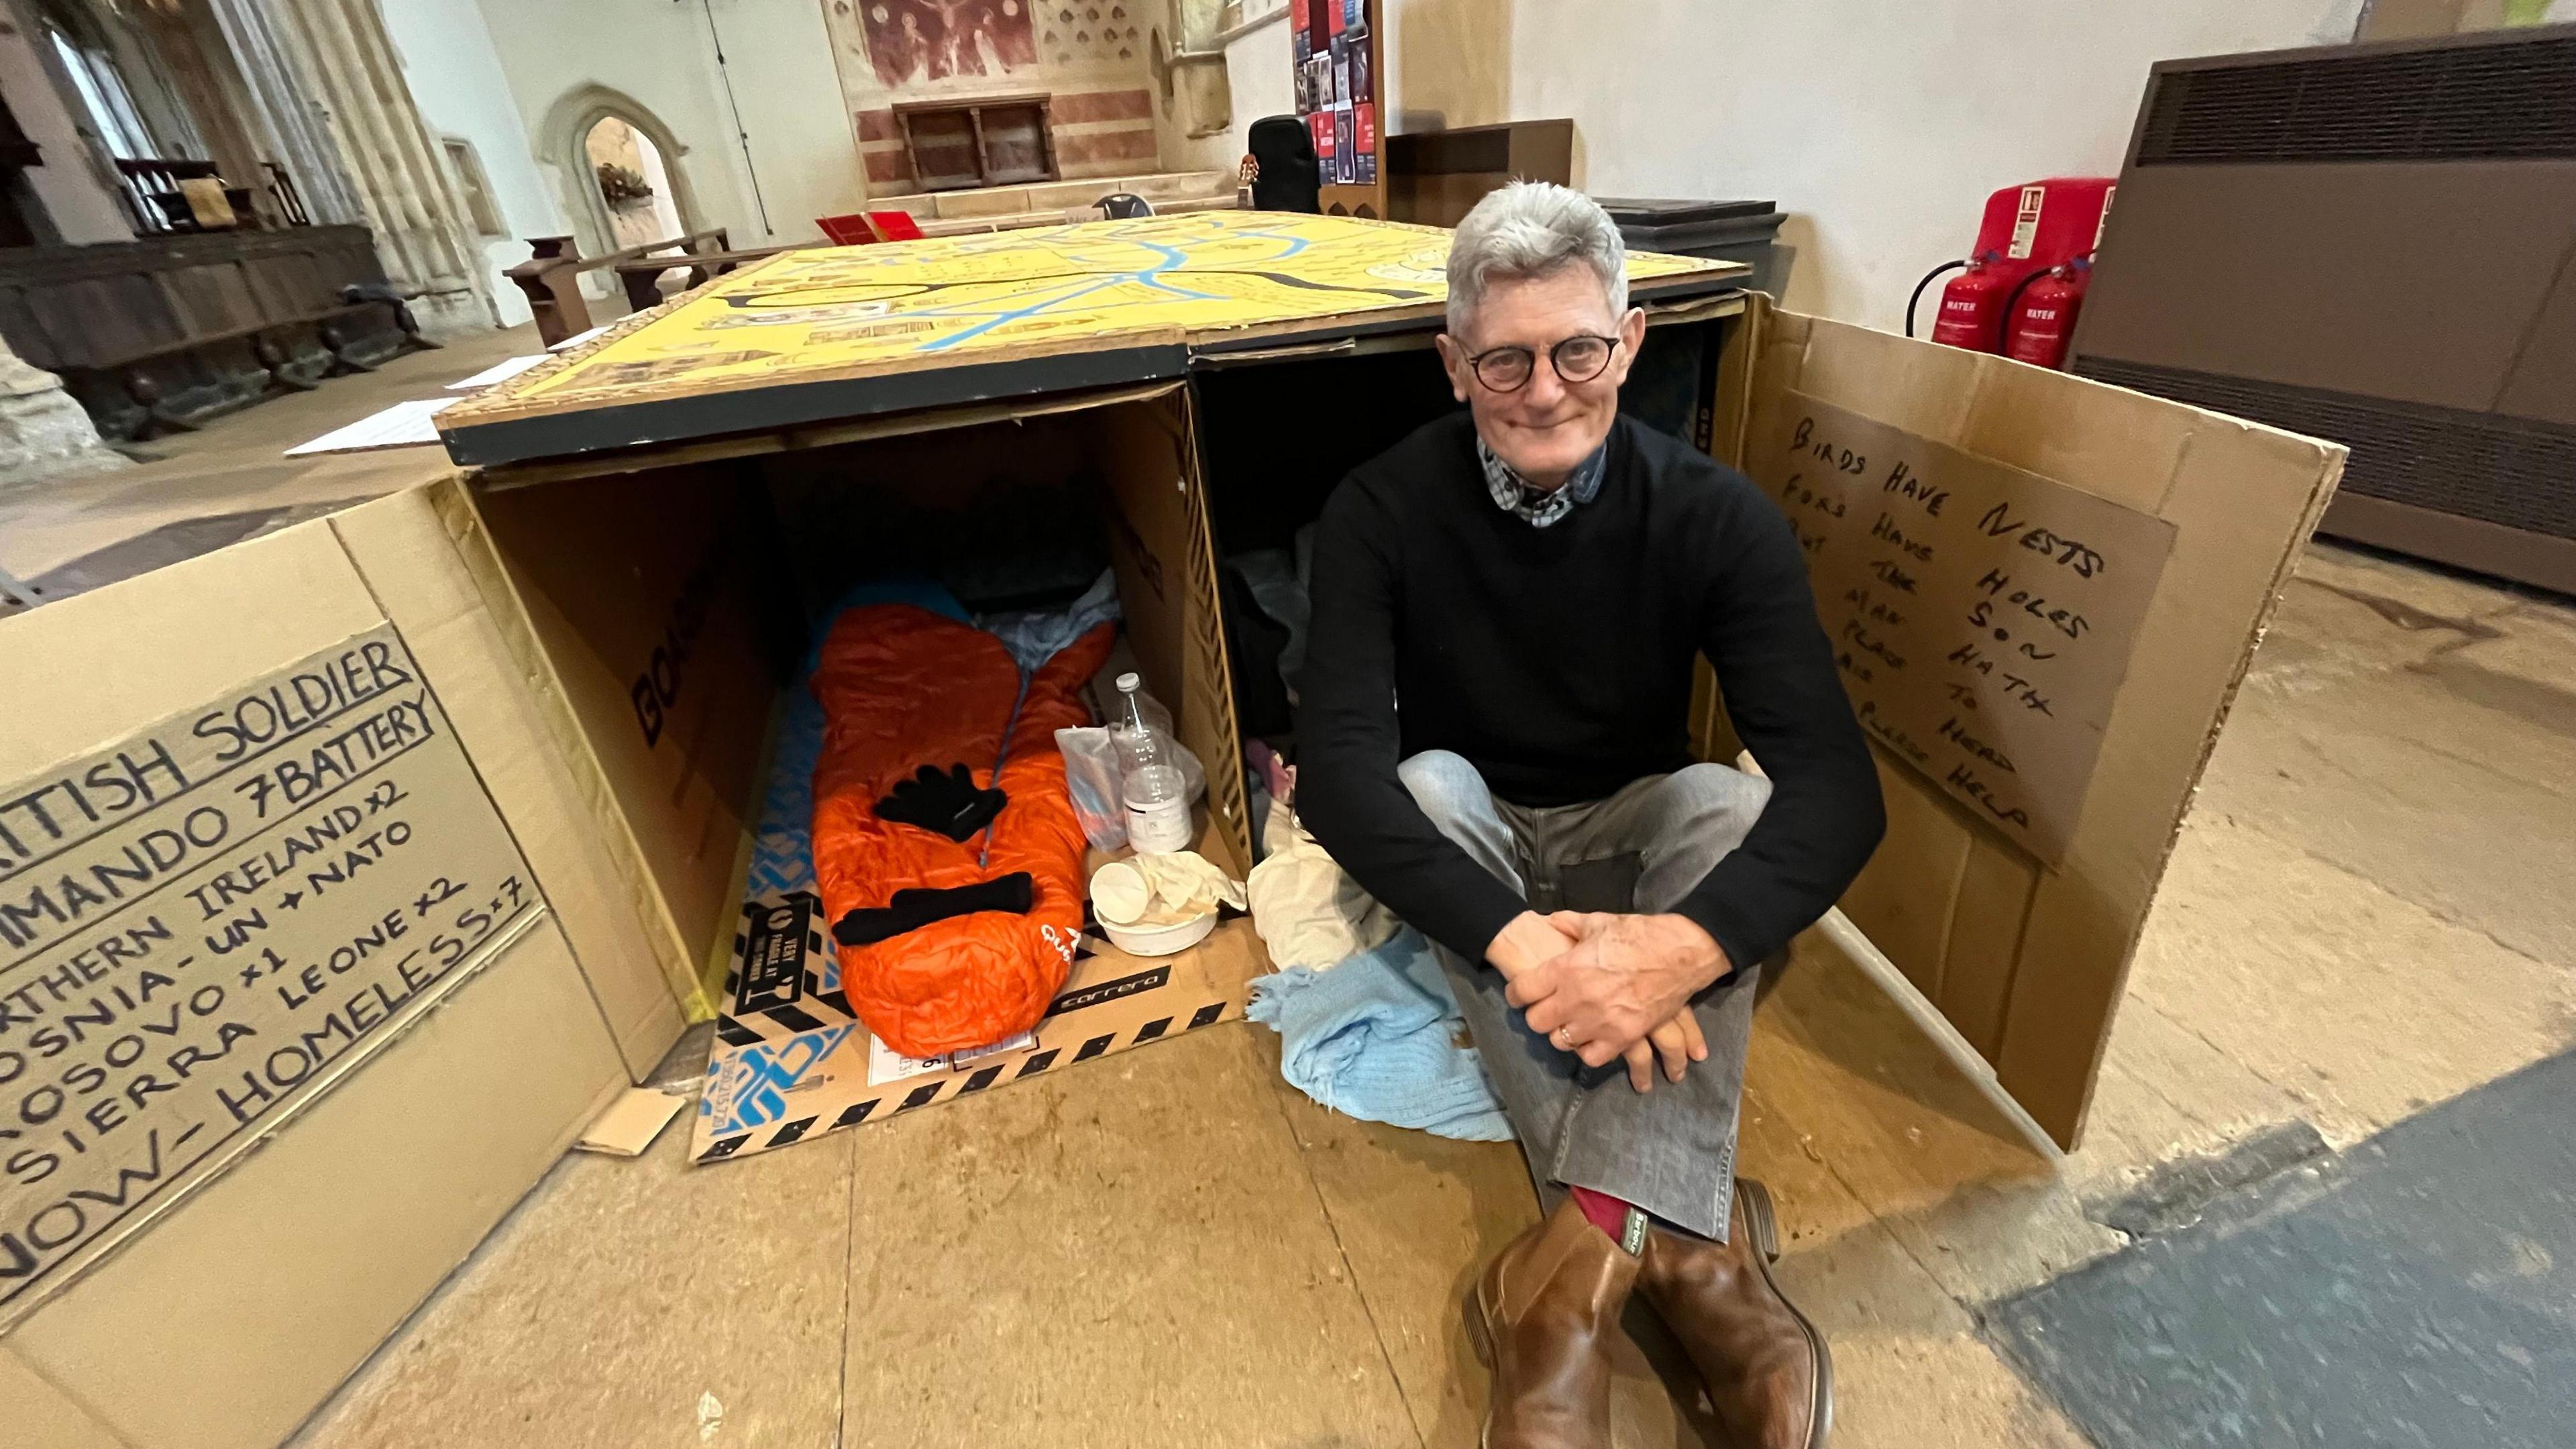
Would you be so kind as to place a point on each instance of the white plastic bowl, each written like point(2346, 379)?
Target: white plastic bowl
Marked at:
point(1160, 940)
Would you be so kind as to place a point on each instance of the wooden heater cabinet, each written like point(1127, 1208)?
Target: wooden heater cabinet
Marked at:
point(2374, 244)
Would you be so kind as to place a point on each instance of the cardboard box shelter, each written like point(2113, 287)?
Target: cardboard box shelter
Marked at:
point(567, 663)
point(2042, 716)
point(1136, 355)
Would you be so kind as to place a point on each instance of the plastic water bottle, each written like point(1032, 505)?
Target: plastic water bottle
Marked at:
point(1158, 799)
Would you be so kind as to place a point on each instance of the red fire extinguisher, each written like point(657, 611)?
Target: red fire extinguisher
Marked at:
point(2028, 233)
point(1972, 306)
point(2043, 314)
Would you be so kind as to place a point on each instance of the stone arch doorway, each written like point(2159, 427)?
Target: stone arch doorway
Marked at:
point(599, 141)
point(627, 169)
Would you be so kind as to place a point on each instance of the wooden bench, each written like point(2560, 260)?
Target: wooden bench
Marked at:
point(165, 331)
point(642, 276)
point(551, 276)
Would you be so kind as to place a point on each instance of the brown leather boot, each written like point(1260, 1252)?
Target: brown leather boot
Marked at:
point(1765, 1366)
point(1541, 1318)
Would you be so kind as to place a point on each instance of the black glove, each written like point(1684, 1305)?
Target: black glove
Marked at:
point(914, 908)
point(942, 802)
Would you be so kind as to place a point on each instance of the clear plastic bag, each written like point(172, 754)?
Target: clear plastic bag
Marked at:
point(1094, 764)
point(1091, 769)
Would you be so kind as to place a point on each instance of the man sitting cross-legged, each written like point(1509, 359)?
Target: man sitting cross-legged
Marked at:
point(1508, 607)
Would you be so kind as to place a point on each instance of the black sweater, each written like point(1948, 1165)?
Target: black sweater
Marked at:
point(1558, 661)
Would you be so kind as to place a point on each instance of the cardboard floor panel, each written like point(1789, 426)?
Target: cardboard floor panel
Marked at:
point(2416, 1290)
point(629, 1302)
point(782, 841)
point(1131, 1254)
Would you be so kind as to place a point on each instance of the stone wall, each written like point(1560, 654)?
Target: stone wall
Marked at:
point(43, 433)
point(1091, 58)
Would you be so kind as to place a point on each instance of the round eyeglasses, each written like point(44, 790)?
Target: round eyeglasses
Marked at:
point(1579, 358)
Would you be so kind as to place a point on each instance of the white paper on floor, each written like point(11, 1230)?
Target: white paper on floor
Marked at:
point(403, 425)
point(499, 372)
point(887, 1065)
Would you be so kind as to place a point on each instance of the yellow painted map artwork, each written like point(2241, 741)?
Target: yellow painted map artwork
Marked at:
point(840, 310)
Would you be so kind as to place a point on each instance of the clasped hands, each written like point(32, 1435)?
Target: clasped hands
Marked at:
point(1611, 987)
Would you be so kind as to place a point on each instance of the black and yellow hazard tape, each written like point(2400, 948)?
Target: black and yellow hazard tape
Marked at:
point(951, 1087)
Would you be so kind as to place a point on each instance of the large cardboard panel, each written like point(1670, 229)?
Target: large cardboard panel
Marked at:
point(40, 1414)
point(431, 566)
point(2247, 497)
point(230, 1321)
point(217, 918)
point(1165, 555)
point(400, 1106)
point(1983, 950)
point(1912, 909)
point(635, 590)
point(2034, 944)
point(92, 667)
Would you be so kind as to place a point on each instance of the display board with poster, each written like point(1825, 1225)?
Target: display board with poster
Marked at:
point(826, 333)
point(1982, 615)
point(1334, 46)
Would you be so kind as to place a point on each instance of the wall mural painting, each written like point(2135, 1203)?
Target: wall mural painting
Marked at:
point(912, 41)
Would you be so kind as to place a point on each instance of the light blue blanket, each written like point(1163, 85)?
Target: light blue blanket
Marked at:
point(1379, 1038)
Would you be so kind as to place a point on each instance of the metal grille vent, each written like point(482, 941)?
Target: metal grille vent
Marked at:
point(2512, 99)
point(2510, 471)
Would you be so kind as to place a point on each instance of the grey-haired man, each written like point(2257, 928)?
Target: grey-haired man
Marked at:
point(1531, 582)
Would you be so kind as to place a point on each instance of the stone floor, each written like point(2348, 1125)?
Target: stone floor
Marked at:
point(230, 479)
point(2365, 917)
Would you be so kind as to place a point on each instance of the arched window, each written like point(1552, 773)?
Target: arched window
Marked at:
point(103, 95)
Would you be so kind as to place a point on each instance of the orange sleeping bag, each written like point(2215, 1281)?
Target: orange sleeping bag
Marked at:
point(902, 687)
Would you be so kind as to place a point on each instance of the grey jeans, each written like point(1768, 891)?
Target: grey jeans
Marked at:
point(1670, 1151)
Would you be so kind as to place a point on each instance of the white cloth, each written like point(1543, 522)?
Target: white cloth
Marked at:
point(1161, 890)
point(1307, 909)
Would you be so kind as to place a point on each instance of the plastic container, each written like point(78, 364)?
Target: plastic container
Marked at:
point(1160, 940)
point(1120, 894)
point(1157, 794)
point(1160, 719)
